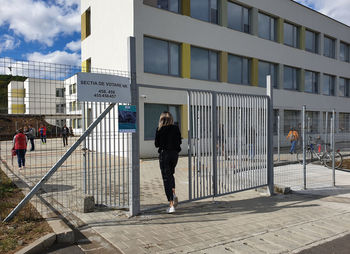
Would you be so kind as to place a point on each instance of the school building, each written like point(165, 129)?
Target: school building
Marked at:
point(225, 46)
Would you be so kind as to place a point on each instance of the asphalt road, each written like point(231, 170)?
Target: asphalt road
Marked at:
point(337, 246)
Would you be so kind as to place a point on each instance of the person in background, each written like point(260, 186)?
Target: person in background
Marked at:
point(42, 132)
point(20, 145)
point(293, 136)
point(168, 141)
point(30, 133)
point(65, 134)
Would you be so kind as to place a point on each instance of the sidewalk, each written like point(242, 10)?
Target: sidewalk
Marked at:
point(246, 222)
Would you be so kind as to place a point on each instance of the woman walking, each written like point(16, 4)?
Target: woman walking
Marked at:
point(168, 141)
point(20, 145)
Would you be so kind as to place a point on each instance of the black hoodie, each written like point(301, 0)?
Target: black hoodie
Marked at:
point(168, 138)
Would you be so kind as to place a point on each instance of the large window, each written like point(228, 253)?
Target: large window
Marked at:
point(267, 27)
point(72, 89)
point(329, 47)
point(311, 121)
point(344, 87)
point(170, 5)
point(161, 57)
point(290, 78)
point(292, 119)
point(151, 116)
point(311, 82)
point(328, 85)
point(311, 44)
point(238, 69)
point(204, 64)
point(60, 92)
point(60, 108)
point(291, 36)
point(238, 17)
point(344, 122)
point(344, 52)
point(206, 10)
point(265, 69)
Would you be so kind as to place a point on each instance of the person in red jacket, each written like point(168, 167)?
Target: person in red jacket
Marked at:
point(42, 132)
point(20, 145)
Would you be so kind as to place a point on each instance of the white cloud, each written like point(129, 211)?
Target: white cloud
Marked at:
point(337, 9)
point(8, 42)
point(40, 21)
point(73, 45)
point(58, 57)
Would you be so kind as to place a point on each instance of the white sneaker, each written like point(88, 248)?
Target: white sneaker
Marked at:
point(175, 200)
point(170, 209)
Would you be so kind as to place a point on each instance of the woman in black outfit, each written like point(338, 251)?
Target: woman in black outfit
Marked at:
point(168, 141)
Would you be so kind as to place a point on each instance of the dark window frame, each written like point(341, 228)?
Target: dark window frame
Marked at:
point(243, 28)
point(209, 65)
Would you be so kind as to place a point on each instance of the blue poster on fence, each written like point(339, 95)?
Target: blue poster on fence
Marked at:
point(127, 118)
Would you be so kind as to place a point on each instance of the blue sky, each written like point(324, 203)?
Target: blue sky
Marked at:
point(49, 30)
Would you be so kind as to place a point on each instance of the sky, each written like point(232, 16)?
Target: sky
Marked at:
point(49, 30)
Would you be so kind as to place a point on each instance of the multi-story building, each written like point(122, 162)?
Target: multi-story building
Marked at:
point(226, 46)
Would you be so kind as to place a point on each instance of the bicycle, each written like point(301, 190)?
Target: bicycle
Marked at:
point(325, 158)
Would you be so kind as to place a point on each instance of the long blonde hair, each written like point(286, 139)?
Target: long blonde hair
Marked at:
point(165, 119)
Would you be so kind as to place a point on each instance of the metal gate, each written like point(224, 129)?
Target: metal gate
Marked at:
point(228, 140)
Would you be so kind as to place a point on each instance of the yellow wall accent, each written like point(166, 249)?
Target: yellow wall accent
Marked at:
point(85, 24)
point(280, 30)
point(223, 66)
point(86, 65)
point(17, 108)
point(186, 60)
point(223, 13)
point(254, 72)
point(18, 93)
point(184, 121)
point(186, 7)
point(302, 38)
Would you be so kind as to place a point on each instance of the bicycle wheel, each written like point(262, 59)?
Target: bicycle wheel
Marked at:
point(308, 157)
point(327, 159)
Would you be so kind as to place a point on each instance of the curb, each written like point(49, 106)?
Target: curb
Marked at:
point(39, 245)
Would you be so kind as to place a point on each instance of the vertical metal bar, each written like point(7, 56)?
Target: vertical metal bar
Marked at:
point(101, 157)
point(304, 145)
point(210, 133)
point(214, 133)
point(96, 155)
point(200, 130)
point(206, 137)
point(189, 141)
point(333, 146)
point(270, 135)
point(326, 133)
point(114, 155)
point(84, 148)
point(134, 180)
point(278, 138)
point(110, 158)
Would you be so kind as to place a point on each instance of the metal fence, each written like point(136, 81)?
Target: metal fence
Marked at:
point(43, 97)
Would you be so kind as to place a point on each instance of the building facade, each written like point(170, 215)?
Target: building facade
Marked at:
point(226, 46)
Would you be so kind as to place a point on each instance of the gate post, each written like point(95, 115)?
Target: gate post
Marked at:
point(304, 144)
point(214, 133)
point(134, 177)
point(333, 146)
point(270, 173)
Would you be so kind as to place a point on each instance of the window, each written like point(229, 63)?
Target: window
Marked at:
point(311, 121)
point(344, 52)
point(204, 64)
point(86, 24)
point(72, 89)
point(327, 121)
point(311, 82)
point(311, 44)
point(238, 17)
point(344, 87)
point(276, 114)
point(238, 69)
point(328, 85)
point(161, 57)
point(60, 108)
point(267, 27)
point(291, 35)
point(290, 78)
point(329, 47)
point(344, 122)
point(60, 92)
point(292, 119)
point(170, 5)
point(79, 123)
point(206, 10)
point(265, 69)
point(152, 113)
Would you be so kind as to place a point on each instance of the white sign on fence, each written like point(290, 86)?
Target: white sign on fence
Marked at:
point(103, 88)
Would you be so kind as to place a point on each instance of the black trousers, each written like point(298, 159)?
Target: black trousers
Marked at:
point(167, 163)
point(65, 140)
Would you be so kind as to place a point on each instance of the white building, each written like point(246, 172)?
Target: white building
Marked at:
point(227, 46)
